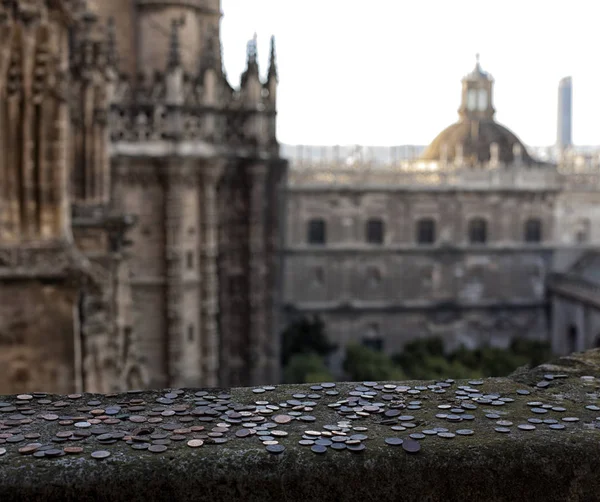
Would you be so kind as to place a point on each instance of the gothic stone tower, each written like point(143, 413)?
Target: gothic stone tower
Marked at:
point(198, 163)
point(62, 286)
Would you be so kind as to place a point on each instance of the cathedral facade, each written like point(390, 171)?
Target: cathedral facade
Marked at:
point(458, 243)
point(139, 228)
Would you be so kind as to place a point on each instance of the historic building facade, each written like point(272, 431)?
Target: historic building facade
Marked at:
point(457, 244)
point(148, 131)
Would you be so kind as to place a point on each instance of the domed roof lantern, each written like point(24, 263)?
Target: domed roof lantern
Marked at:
point(478, 73)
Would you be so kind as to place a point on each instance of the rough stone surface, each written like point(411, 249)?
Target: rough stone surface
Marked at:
point(543, 464)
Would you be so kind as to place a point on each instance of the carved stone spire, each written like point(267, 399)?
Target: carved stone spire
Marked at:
point(273, 61)
point(252, 60)
point(174, 59)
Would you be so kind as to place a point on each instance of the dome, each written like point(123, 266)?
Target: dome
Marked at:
point(476, 138)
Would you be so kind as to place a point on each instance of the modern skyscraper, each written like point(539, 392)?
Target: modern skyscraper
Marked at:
point(565, 113)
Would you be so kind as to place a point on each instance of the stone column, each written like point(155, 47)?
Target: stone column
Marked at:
point(173, 268)
point(210, 281)
point(258, 285)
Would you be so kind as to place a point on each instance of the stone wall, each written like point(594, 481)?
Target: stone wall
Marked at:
point(37, 340)
point(532, 436)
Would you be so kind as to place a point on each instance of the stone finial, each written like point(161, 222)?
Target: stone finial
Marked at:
point(273, 62)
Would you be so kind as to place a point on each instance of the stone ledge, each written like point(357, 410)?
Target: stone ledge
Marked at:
point(541, 464)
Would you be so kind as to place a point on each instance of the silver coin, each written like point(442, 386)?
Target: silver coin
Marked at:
point(556, 427)
point(526, 427)
point(100, 454)
point(446, 435)
point(502, 429)
point(465, 432)
point(504, 423)
point(570, 419)
point(2, 451)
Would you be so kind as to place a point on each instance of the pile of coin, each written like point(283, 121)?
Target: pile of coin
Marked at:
point(39, 425)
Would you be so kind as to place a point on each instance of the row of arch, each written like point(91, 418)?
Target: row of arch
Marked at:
point(425, 231)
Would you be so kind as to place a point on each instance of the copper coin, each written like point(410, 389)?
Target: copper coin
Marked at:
point(282, 419)
point(30, 448)
point(73, 449)
point(195, 443)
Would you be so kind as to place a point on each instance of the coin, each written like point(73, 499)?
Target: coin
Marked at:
point(317, 448)
point(465, 432)
point(29, 449)
point(570, 419)
point(275, 448)
point(282, 419)
point(526, 427)
point(100, 454)
point(504, 423)
point(446, 435)
point(411, 446)
point(502, 429)
point(394, 441)
point(557, 427)
point(157, 448)
point(73, 449)
point(195, 443)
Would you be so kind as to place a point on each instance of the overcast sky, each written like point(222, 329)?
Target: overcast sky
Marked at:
point(387, 72)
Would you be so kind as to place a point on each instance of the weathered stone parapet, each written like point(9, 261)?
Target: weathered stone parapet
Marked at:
point(546, 463)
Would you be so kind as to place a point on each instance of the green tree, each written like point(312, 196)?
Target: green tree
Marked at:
point(304, 336)
point(362, 363)
point(306, 368)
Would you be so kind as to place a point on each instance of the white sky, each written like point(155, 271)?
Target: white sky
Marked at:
point(387, 72)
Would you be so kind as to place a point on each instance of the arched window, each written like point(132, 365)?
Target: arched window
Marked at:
point(425, 231)
point(533, 230)
point(316, 231)
point(375, 231)
point(572, 336)
point(477, 231)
